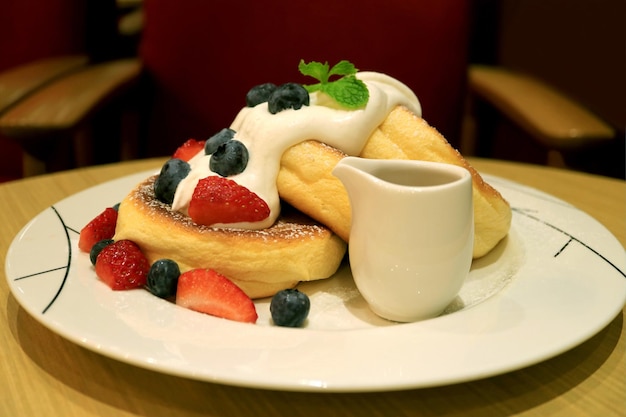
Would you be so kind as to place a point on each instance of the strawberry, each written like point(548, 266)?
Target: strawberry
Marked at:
point(122, 265)
point(207, 291)
point(101, 227)
point(221, 200)
point(189, 149)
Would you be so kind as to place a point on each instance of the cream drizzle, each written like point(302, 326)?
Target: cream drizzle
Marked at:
point(268, 135)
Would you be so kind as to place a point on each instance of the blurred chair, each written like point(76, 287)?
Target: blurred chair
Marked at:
point(199, 58)
point(39, 42)
point(557, 78)
point(42, 43)
point(19, 82)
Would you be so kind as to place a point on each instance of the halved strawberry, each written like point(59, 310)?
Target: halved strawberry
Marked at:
point(122, 265)
point(189, 149)
point(101, 227)
point(207, 291)
point(221, 200)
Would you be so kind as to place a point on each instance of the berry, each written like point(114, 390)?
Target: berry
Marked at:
point(172, 173)
point(189, 149)
point(163, 278)
point(122, 265)
point(259, 94)
point(218, 139)
point(101, 227)
point(97, 248)
point(209, 292)
point(290, 308)
point(230, 158)
point(288, 96)
point(221, 200)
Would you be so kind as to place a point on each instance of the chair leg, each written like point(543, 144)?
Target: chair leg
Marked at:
point(32, 166)
point(555, 159)
point(82, 141)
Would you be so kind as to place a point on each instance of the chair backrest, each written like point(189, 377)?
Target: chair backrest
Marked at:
point(203, 56)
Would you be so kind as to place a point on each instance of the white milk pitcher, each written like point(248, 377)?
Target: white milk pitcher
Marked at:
point(412, 234)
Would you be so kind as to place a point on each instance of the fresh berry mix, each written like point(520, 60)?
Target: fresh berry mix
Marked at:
point(288, 96)
point(101, 227)
point(97, 248)
point(172, 173)
point(122, 266)
point(163, 278)
point(209, 292)
point(218, 139)
point(188, 150)
point(230, 158)
point(259, 94)
point(221, 200)
point(290, 308)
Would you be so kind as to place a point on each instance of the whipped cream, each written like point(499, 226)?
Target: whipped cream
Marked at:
point(268, 135)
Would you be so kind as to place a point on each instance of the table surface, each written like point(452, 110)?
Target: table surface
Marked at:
point(587, 380)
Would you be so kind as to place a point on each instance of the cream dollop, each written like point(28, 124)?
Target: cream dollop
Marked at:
point(268, 135)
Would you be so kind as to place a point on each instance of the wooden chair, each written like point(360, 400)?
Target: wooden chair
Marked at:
point(42, 48)
point(558, 76)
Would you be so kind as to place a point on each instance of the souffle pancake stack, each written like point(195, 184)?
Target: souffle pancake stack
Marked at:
point(256, 203)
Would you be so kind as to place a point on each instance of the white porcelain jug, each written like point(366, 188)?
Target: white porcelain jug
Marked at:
point(412, 234)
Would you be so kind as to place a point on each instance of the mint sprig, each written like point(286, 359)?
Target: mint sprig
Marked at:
point(348, 91)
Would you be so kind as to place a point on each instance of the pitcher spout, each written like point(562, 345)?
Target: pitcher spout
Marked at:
point(354, 174)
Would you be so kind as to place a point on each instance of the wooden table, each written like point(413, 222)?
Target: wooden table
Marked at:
point(42, 374)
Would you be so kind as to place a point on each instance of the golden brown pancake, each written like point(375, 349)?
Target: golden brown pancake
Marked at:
point(261, 262)
point(305, 179)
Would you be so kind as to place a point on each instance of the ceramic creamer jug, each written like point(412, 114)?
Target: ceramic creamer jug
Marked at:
point(412, 234)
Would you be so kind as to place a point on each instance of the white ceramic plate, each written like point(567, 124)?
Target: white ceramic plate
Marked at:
point(557, 280)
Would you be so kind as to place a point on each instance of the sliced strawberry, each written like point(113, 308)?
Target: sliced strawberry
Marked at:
point(221, 200)
point(101, 227)
point(122, 266)
point(189, 149)
point(209, 292)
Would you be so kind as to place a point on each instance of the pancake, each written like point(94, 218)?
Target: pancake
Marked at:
point(260, 262)
point(305, 178)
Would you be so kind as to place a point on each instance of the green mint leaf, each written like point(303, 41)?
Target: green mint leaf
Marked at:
point(347, 91)
point(313, 87)
point(343, 68)
point(314, 69)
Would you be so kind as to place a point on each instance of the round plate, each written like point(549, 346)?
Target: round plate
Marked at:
point(555, 281)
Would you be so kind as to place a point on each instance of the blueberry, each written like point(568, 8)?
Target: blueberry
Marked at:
point(218, 139)
point(231, 158)
point(288, 96)
point(97, 248)
point(172, 173)
point(116, 207)
point(290, 308)
point(259, 94)
point(163, 278)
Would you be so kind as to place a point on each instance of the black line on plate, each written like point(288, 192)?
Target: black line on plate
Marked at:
point(563, 248)
point(40, 273)
point(69, 261)
point(572, 238)
point(71, 229)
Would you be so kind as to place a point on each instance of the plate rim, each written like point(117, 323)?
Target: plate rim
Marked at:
point(318, 385)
